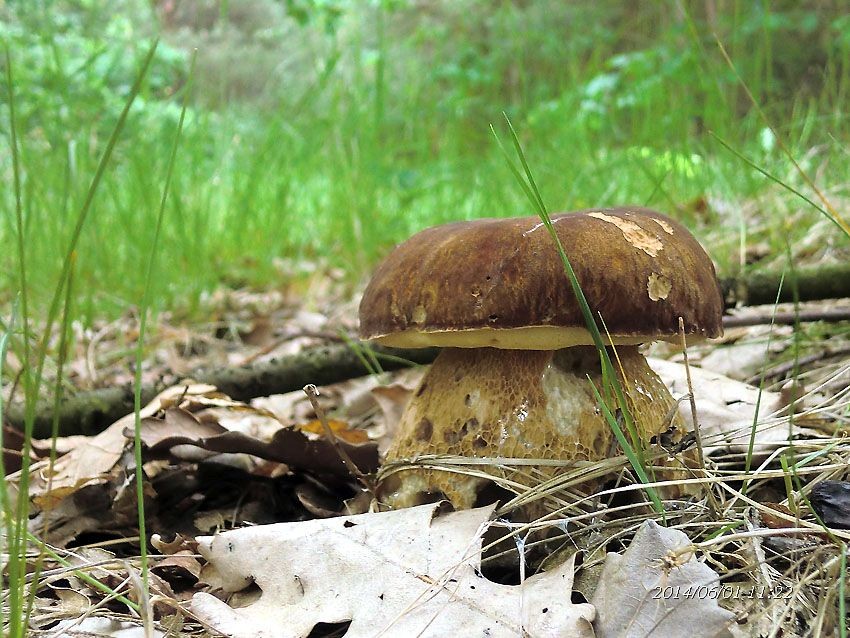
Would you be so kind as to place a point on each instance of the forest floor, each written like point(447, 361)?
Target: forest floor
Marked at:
point(200, 480)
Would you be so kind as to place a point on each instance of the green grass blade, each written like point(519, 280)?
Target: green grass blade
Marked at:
point(5, 502)
point(64, 338)
point(751, 445)
point(531, 181)
point(364, 354)
point(16, 545)
point(529, 186)
point(82, 575)
point(778, 181)
point(624, 443)
point(17, 558)
point(19, 214)
point(143, 319)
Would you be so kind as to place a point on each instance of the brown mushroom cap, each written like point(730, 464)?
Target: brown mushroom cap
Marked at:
point(500, 283)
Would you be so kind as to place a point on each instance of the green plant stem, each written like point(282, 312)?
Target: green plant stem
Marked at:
point(90, 580)
point(137, 385)
point(16, 567)
point(5, 507)
point(17, 558)
point(57, 401)
point(635, 450)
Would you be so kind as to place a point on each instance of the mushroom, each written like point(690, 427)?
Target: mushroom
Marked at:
point(512, 378)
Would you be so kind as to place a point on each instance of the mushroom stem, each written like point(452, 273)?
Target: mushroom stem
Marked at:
point(513, 404)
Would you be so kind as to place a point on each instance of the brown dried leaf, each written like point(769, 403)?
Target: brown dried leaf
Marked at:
point(180, 543)
point(290, 446)
point(726, 409)
point(340, 430)
point(180, 566)
point(645, 591)
point(409, 572)
point(92, 458)
point(175, 422)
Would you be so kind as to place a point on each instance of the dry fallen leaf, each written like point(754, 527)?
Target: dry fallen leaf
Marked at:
point(410, 572)
point(340, 430)
point(746, 356)
point(93, 458)
point(658, 588)
point(726, 408)
point(296, 448)
point(96, 627)
point(180, 543)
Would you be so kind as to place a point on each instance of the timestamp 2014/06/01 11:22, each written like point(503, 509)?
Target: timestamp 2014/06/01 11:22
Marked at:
point(720, 591)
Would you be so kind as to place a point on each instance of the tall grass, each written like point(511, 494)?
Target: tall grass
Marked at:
point(16, 510)
point(632, 446)
point(150, 271)
point(378, 128)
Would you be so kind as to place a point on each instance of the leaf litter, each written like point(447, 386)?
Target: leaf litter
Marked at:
point(213, 464)
point(409, 572)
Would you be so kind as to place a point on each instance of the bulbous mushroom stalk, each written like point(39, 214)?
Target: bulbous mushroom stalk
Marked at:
point(512, 381)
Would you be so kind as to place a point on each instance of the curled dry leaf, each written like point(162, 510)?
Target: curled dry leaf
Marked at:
point(658, 588)
point(410, 572)
point(180, 543)
point(294, 447)
point(182, 566)
point(91, 459)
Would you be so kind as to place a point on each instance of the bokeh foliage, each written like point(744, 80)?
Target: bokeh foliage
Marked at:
point(326, 130)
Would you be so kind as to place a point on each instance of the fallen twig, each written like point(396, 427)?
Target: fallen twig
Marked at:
point(782, 369)
point(786, 318)
point(90, 412)
point(826, 281)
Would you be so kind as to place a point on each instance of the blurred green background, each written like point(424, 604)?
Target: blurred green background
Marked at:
point(321, 132)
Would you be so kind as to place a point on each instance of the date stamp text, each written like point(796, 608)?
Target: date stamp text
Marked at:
point(718, 591)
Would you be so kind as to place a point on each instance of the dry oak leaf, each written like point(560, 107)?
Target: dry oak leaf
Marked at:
point(92, 459)
point(178, 430)
point(726, 408)
point(411, 572)
point(658, 588)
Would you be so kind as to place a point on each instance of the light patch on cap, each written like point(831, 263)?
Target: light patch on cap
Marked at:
point(667, 227)
point(658, 286)
point(634, 234)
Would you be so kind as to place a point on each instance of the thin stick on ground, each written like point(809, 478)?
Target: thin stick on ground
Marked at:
point(786, 318)
point(312, 393)
point(782, 369)
point(691, 398)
